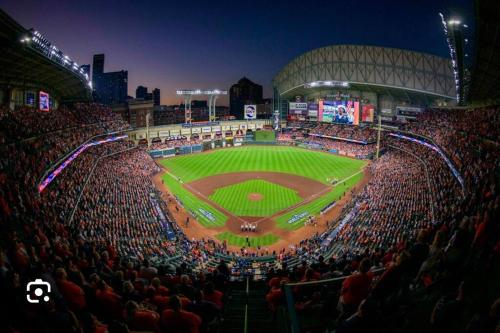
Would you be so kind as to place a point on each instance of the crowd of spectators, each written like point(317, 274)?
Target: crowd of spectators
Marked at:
point(120, 208)
point(175, 142)
point(342, 147)
point(351, 132)
point(438, 244)
point(413, 220)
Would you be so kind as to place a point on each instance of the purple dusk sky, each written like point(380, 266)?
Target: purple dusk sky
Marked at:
point(201, 44)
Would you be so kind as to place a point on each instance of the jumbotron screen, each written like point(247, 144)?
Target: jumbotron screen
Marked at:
point(344, 112)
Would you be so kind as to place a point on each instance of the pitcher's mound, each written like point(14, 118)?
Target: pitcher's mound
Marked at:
point(255, 196)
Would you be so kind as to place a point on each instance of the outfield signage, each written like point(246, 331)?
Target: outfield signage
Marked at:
point(163, 133)
point(297, 217)
point(297, 108)
point(207, 214)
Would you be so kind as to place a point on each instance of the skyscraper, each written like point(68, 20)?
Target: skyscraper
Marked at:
point(109, 88)
point(113, 87)
point(141, 92)
point(98, 64)
point(156, 96)
point(241, 93)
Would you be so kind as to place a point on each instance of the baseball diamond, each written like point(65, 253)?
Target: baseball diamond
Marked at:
point(260, 193)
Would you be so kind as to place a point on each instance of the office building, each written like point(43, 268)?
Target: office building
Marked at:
point(156, 97)
point(141, 92)
point(109, 88)
point(113, 87)
point(241, 93)
point(98, 64)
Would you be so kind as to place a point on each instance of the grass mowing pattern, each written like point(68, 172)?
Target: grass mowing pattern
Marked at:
point(314, 207)
point(235, 240)
point(234, 198)
point(265, 136)
point(302, 162)
point(193, 204)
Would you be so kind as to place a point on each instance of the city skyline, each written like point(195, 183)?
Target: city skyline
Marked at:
point(217, 44)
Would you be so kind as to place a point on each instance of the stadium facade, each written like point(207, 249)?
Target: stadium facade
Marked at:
point(384, 78)
point(36, 72)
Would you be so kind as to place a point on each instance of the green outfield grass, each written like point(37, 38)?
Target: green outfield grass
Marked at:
point(307, 163)
point(240, 241)
point(194, 204)
point(235, 199)
point(314, 207)
point(265, 136)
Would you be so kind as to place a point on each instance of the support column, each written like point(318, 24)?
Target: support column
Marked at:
point(187, 109)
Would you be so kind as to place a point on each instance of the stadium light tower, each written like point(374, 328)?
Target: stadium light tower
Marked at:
point(212, 98)
point(454, 31)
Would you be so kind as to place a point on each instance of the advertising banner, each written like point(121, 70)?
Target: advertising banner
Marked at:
point(185, 131)
point(196, 130)
point(312, 109)
point(43, 98)
point(367, 113)
point(298, 108)
point(206, 129)
point(356, 113)
point(163, 133)
point(250, 111)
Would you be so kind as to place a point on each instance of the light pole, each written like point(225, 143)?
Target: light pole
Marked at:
point(147, 130)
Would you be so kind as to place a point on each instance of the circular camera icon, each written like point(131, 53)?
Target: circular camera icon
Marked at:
point(38, 288)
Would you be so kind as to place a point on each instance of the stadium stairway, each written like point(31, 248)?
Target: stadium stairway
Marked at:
point(246, 306)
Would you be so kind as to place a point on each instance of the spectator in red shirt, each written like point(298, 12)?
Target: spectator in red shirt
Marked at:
point(108, 302)
point(71, 292)
point(355, 288)
point(212, 295)
point(176, 320)
point(140, 319)
point(158, 288)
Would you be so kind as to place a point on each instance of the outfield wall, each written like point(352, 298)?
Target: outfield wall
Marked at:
point(212, 128)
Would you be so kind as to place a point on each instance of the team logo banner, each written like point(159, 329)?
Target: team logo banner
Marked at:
point(250, 111)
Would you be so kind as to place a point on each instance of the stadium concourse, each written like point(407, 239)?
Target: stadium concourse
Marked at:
point(118, 259)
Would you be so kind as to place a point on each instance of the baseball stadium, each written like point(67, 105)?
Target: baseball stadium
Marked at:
point(368, 200)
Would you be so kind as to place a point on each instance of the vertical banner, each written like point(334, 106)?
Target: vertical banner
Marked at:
point(356, 113)
point(367, 113)
point(320, 110)
point(43, 100)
